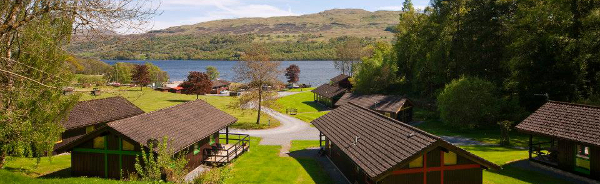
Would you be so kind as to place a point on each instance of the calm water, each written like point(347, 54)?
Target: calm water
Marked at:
point(311, 72)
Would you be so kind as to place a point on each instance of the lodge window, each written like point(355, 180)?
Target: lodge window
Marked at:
point(99, 142)
point(127, 146)
point(212, 140)
point(388, 114)
point(89, 129)
point(196, 148)
point(582, 159)
point(450, 158)
point(416, 163)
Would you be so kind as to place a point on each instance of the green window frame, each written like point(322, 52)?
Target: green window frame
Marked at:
point(582, 159)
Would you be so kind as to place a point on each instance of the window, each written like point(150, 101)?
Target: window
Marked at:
point(582, 159)
point(89, 129)
point(196, 148)
point(388, 114)
point(212, 140)
point(416, 163)
point(450, 158)
point(127, 146)
point(99, 142)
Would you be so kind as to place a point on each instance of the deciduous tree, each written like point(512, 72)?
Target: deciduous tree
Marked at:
point(292, 73)
point(259, 72)
point(141, 76)
point(212, 72)
point(197, 83)
point(348, 54)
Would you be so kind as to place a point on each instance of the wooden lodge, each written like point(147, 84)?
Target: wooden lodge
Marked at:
point(328, 94)
point(368, 148)
point(87, 116)
point(191, 127)
point(219, 85)
point(397, 107)
point(565, 136)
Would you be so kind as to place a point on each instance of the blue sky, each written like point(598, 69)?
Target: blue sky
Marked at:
point(185, 12)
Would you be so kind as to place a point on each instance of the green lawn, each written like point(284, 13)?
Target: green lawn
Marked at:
point(303, 144)
point(262, 164)
point(10, 177)
point(491, 136)
point(308, 110)
point(150, 100)
point(298, 89)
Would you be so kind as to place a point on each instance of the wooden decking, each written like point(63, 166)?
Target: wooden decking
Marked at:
point(227, 154)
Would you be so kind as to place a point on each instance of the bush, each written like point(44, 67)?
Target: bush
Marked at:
point(162, 165)
point(469, 103)
point(216, 175)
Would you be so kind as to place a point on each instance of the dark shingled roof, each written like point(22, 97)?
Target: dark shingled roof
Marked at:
point(220, 83)
point(384, 143)
point(93, 112)
point(386, 103)
point(339, 78)
point(183, 124)
point(329, 91)
point(575, 122)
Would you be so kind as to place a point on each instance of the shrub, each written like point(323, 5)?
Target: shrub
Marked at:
point(160, 165)
point(469, 103)
point(216, 175)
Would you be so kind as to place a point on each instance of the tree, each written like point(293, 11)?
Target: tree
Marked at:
point(212, 72)
point(377, 73)
point(32, 65)
point(469, 103)
point(141, 76)
point(292, 73)
point(257, 69)
point(348, 54)
point(156, 74)
point(197, 83)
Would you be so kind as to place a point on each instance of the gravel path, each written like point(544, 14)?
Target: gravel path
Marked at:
point(462, 141)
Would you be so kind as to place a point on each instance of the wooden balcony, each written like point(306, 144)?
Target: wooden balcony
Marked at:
point(221, 154)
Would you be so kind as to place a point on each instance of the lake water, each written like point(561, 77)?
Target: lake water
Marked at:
point(311, 72)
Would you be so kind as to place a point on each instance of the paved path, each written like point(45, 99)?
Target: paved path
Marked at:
point(290, 129)
point(462, 141)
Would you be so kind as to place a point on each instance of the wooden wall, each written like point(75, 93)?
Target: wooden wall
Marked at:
point(196, 160)
point(87, 164)
point(566, 155)
point(595, 162)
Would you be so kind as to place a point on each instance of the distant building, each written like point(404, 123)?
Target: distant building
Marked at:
point(219, 85)
point(370, 148)
point(328, 94)
point(191, 127)
point(397, 107)
point(565, 136)
point(88, 116)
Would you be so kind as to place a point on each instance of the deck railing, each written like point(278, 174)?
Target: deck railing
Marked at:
point(224, 154)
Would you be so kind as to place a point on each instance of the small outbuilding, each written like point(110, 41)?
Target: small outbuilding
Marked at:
point(342, 81)
point(328, 94)
point(87, 116)
point(219, 85)
point(397, 107)
point(368, 147)
point(565, 136)
point(192, 128)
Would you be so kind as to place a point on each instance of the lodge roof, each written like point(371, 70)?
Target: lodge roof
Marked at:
point(386, 103)
point(329, 91)
point(183, 124)
point(339, 78)
point(97, 111)
point(575, 122)
point(220, 83)
point(383, 143)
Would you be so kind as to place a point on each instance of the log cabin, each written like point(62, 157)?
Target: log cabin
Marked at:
point(371, 148)
point(565, 136)
point(192, 128)
point(397, 107)
point(328, 94)
point(86, 116)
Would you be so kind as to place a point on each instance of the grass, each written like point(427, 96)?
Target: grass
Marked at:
point(298, 145)
point(46, 166)
point(151, 100)
point(308, 110)
point(10, 177)
point(262, 164)
point(299, 89)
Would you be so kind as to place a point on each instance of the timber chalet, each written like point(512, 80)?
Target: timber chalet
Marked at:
point(191, 127)
point(369, 147)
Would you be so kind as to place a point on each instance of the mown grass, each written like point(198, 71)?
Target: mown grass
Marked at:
point(307, 108)
point(303, 144)
point(47, 165)
point(299, 89)
point(10, 177)
point(151, 100)
point(262, 164)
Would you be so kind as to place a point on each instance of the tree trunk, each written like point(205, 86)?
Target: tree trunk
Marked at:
point(259, 104)
point(196, 96)
point(141, 87)
point(2, 159)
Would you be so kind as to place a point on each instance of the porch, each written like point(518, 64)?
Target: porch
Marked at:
point(544, 151)
point(221, 154)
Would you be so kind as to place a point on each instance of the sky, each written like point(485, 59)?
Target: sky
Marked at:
point(186, 12)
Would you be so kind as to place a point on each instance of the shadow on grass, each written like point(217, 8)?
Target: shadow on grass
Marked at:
point(64, 173)
point(523, 171)
point(318, 106)
point(178, 101)
point(307, 158)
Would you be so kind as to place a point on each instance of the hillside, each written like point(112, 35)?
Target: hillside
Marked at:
point(306, 37)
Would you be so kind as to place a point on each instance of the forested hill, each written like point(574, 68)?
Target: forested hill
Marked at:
point(306, 37)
